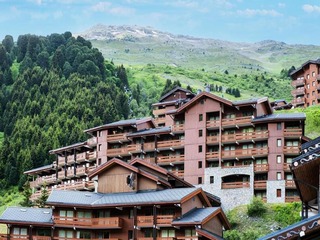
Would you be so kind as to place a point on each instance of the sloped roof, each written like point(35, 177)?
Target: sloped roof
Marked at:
point(30, 216)
point(152, 131)
point(305, 64)
point(70, 147)
point(127, 122)
point(196, 216)
point(90, 199)
point(311, 143)
point(207, 234)
point(308, 226)
point(175, 90)
point(280, 117)
point(40, 169)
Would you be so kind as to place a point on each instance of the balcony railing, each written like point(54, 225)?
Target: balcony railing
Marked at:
point(91, 155)
point(291, 150)
point(212, 139)
point(111, 222)
point(213, 124)
point(159, 120)
point(19, 237)
point(298, 101)
point(150, 146)
point(230, 185)
point(134, 148)
point(286, 166)
point(92, 142)
point(299, 82)
point(249, 136)
point(236, 121)
point(292, 199)
point(160, 238)
point(243, 153)
point(292, 132)
point(290, 184)
point(170, 144)
point(262, 184)
point(297, 92)
point(117, 151)
point(261, 167)
point(179, 173)
point(117, 137)
point(177, 128)
point(81, 185)
point(171, 159)
point(147, 221)
point(212, 155)
point(45, 179)
point(80, 157)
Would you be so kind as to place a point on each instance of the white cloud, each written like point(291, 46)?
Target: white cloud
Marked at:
point(281, 5)
point(101, 7)
point(311, 8)
point(259, 12)
point(107, 7)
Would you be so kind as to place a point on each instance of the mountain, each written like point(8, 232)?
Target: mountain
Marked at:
point(135, 45)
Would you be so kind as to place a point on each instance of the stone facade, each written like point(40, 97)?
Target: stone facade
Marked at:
point(276, 191)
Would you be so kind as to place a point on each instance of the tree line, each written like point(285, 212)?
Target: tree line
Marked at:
point(51, 89)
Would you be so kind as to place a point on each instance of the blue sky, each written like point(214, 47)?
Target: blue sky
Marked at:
point(290, 21)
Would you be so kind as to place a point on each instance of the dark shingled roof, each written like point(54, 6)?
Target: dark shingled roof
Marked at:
point(174, 90)
point(196, 215)
point(40, 169)
point(114, 124)
point(311, 222)
point(280, 116)
point(246, 101)
point(28, 215)
point(127, 198)
point(151, 131)
point(305, 64)
point(311, 143)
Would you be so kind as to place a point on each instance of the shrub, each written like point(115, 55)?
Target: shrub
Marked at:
point(256, 208)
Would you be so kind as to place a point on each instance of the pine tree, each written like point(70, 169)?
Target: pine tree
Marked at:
point(26, 202)
point(41, 201)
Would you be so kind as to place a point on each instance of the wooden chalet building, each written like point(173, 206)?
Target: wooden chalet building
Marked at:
point(306, 83)
point(230, 148)
point(135, 200)
point(306, 171)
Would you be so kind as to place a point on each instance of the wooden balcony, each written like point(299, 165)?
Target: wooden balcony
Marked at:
point(177, 128)
point(35, 195)
point(62, 238)
point(134, 148)
point(70, 173)
point(292, 133)
point(92, 142)
point(107, 223)
point(117, 137)
point(297, 83)
point(298, 92)
point(286, 166)
point(160, 238)
point(231, 185)
point(262, 184)
point(179, 173)
point(150, 146)
point(19, 237)
point(292, 199)
point(171, 144)
point(81, 185)
point(158, 112)
point(238, 121)
point(161, 220)
point(290, 184)
point(170, 159)
point(244, 153)
point(159, 121)
point(91, 156)
point(81, 171)
point(243, 137)
point(298, 101)
point(117, 151)
point(213, 124)
point(61, 174)
point(50, 179)
point(89, 185)
point(291, 150)
point(261, 167)
point(211, 140)
point(212, 155)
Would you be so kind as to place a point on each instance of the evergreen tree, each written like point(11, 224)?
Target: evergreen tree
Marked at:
point(26, 194)
point(41, 201)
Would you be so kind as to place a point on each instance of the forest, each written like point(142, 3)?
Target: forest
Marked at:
point(52, 88)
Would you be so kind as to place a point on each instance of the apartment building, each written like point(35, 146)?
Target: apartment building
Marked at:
point(306, 83)
point(305, 169)
point(135, 200)
point(233, 149)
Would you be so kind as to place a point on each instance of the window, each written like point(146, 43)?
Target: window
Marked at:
point(103, 235)
point(200, 117)
point(313, 74)
point(200, 133)
point(130, 234)
point(84, 214)
point(20, 231)
point(279, 126)
point(279, 142)
point(278, 192)
point(99, 147)
point(308, 86)
point(200, 148)
point(168, 233)
point(289, 160)
point(190, 233)
point(66, 213)
point(65, 234)
point(313, 83)
point(100, 133)
point(279, 160)
point(131, 213)
point(199, 180)
point(83, 235)
point(200, 164)
point(278, 175)
point(308, 76)
point(211, 179)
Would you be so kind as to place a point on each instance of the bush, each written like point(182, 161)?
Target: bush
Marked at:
point(287, 214)
point(256, 208)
